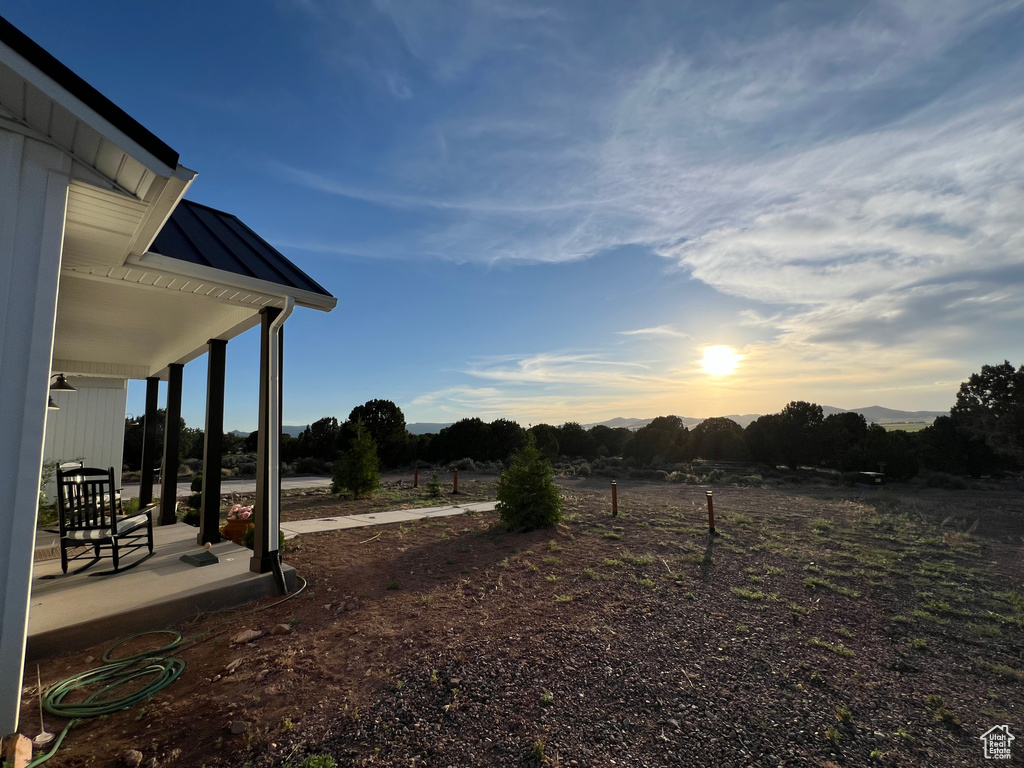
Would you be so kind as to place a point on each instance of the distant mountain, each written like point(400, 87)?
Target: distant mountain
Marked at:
point(293, 431)
point(426, 427)
point(879, 415)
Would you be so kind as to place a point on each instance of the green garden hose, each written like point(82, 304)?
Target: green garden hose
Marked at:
point(129, 670)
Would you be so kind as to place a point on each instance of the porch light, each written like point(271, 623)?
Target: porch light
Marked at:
point(61, 384)
point(52, 406)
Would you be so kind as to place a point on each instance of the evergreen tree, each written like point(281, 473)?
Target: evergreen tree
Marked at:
point(528, 498)
point(358, 469)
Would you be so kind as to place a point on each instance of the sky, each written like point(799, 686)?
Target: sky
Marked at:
point(548, 211)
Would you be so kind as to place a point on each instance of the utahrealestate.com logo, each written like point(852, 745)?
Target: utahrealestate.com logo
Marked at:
point(997, 741)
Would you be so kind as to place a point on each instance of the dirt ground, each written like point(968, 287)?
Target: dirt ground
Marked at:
point(824, 626)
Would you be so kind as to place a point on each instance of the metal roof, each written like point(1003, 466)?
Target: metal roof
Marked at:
point(32, 52)
point(198, 234)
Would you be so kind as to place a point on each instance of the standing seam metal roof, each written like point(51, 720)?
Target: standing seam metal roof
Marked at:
point(198, 234)
point(77, 87)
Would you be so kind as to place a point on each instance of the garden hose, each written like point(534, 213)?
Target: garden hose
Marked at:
point(116, 673)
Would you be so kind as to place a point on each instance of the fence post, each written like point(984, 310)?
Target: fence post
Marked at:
point(615, 499)
point(415, 477)
point(455, 481)
point(711, 515)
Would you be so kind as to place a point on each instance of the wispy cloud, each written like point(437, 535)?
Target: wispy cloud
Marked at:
point(862, 169)
point(656, 331)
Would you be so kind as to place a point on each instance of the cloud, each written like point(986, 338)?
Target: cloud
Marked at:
point(656, 331)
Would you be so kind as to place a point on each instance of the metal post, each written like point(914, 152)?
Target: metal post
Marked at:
point(172, 443)
point(615, 499)
point(415, 477)
point(209, 518)
point(149, 454)
point(455, 481)
point(711, 515)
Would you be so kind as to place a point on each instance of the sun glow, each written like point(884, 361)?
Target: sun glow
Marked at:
point(719, 360)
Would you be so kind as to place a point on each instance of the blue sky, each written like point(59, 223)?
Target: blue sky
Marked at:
point(547, 211)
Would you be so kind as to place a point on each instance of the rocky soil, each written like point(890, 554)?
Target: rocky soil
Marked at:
point(824, 626)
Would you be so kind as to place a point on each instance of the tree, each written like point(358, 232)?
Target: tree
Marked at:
point(358, 469)
point(801, 433)
point(717, 438)
point(839, 433)
point(665, 438)
point(946, 448)
point(546, 437)
point(466, 438)
point(990, 406)
point(319, 440)
point(573, 440)
point(764, 438)
point(507, 437)
point(881, 450)
point(386, 424)
point(612, 441)
point(528, 498)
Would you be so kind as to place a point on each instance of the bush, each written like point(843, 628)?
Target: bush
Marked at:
point(309, 465)
point(195, 501)
point(249, 538)
point(463, 465)
point(434, 487)
point(191, 517)
point(358, 469)
point(583, 470)
point(197, 483)
point(528, 498)
point(947, 481)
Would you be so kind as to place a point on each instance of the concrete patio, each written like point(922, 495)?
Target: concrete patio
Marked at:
point(72, 612)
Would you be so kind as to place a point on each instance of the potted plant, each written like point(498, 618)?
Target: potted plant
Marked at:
point(239, 521)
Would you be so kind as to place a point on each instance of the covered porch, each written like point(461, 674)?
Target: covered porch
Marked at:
point(109, 275)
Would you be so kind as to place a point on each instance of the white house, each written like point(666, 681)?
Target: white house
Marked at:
point(107, 274)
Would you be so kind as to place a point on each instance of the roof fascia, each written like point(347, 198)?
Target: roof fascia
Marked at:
point(84, 112)
point(188, 270)
point(32, 62)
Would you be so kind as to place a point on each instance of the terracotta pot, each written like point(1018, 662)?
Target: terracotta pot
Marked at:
point(235, 529)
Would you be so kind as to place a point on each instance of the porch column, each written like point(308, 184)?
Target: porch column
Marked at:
point(209, 519)
point(265, 541)
point(172, 443)
point(33, 201)
point(149, 426)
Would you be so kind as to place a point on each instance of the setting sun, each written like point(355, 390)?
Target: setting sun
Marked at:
point(719, 360)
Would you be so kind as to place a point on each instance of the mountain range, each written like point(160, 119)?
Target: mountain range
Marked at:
point(874, 414)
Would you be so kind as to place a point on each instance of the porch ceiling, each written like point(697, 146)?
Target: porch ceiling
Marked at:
point(128, 329)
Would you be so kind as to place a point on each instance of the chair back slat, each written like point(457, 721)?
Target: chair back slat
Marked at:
point(86, 498)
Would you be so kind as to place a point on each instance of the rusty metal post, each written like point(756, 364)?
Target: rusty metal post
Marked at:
point(415, 477)
point(711, 515)
point(455, 481)
point(615, 499)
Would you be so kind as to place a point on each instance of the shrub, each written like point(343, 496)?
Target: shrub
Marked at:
point(197, 483)
point(249, 539)
point(195, 501)
point(464, 465)
point(583, 470)
point(191, 517)
point(946, 481)
point(434, 487)
point(358, 469)
point(528, 498)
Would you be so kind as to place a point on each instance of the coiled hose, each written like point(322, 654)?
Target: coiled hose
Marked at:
point(129, 670)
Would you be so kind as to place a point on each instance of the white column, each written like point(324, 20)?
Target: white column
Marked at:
point(34, 180)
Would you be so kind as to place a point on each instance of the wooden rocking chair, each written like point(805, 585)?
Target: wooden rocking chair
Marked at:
point(91, 519)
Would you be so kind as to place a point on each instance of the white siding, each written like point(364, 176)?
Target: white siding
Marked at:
point(89, 425)
point(33, 196)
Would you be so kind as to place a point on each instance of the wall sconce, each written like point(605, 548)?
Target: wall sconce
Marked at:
point(61, 384)
point(52, 406)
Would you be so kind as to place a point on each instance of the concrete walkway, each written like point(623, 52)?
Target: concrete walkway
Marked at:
point(232, 485)
point(297, 527)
